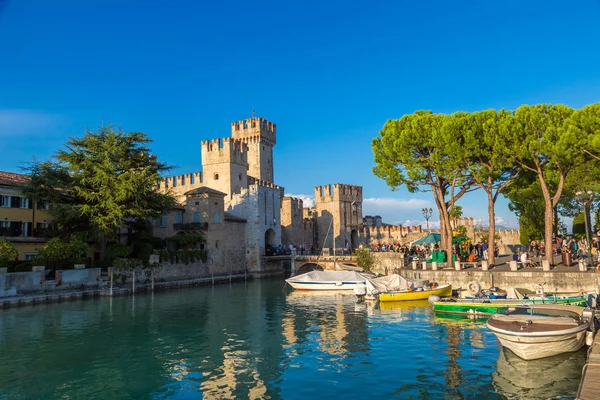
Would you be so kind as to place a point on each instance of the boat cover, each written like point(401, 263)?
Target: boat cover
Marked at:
point(328, 276)
point(393, 282)
point(514, 293)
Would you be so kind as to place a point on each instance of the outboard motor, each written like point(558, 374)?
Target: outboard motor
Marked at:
point(360, 292)
point(592, 300)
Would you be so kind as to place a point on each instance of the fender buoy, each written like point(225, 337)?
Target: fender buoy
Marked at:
point(598, 268)
point(474, 287)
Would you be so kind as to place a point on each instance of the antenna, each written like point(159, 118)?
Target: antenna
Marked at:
point(252, 111)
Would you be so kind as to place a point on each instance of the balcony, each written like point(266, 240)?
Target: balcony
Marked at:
point(191, 226)
point(10, 232)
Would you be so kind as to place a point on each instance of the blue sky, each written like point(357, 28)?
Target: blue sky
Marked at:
point(329, 74)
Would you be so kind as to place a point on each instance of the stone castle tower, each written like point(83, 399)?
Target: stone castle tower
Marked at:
point(345, 203)
point(259, 135)
point(225, 165)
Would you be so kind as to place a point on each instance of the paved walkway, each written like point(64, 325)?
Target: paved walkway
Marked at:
point(589, 388)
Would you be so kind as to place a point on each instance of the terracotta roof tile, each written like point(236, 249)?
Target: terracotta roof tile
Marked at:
point(12, 179)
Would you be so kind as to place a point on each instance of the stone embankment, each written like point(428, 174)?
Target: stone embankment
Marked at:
point(561, 278)
point(105, 290)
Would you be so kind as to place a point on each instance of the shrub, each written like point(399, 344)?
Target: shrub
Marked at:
point(126, 263)
point(8, 253)
point(364, 259)
point(118, 250)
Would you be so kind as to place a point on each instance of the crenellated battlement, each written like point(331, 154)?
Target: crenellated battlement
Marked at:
point(338, 191)
point(254, 128)
point(192, 180)
point(253, 181)
point(466, 222)
point(293, 203)
point(224, 150)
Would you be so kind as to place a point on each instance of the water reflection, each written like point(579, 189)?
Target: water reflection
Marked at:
point(244, 341)
point(545, 378)
point(325, 316)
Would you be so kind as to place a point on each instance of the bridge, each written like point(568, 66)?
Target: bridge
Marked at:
point(297, 264)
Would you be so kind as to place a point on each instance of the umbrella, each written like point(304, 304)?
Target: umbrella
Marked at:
point(429, 239)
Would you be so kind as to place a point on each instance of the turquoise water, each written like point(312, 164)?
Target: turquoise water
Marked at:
point(258, 340)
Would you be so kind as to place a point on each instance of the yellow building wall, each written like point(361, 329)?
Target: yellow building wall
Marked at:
point(24, 244)
point(23, 248)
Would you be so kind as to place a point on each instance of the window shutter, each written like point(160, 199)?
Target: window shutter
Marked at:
point(30, 205)
point(30, 226)
point(15, 202)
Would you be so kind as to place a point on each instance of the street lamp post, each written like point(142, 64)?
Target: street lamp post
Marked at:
point(427, 213)
point(586, 198)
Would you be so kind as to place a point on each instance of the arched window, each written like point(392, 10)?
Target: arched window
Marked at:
point(216, 176)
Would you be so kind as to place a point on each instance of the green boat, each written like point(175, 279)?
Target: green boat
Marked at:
point(487, 307)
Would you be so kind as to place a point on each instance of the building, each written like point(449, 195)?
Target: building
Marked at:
point(240, 167)
point(22, 220)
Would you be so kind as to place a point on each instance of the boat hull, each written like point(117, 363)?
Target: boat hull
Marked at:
point(442, 291)
point(533, 348)
point(326, 285)
point(490, 308)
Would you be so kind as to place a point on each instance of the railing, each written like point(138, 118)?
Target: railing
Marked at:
point(10, 232)
point(43, 232)
point(279, 251)
point(191, 226)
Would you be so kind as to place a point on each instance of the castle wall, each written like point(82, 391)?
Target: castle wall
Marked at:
point(343, 201)
point(260, 205)
point(292, 221)
point(180, 184)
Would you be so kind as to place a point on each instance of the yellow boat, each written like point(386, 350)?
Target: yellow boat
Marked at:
point(442, 291)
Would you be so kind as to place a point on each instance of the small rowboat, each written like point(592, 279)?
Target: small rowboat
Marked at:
point(487, 307)
point(423, 294)
point(533, 332)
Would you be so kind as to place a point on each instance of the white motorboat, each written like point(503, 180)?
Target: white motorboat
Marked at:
point(539, 331)
point(327, 280)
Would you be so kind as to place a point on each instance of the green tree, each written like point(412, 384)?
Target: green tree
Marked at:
point(455, 214)
point(543, 142)
point(101, 182)
point(418, 152)
point(8, 253)
point(488, 161)
point(582, 191)
point(587, 122)
point(364, 259)
point(579, 224)
point(526, 201)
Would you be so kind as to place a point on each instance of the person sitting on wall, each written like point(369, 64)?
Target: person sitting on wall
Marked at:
point(472, 258)
point(515, 257)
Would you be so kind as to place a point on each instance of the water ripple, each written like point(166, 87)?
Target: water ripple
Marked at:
point(256, 341)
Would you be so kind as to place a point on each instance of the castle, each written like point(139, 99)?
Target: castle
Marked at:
point(235, 201)
point(245, 214)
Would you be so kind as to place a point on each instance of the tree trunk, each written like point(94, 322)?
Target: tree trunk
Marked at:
point(102, 248)
point(446, 232)
point(440, 202)
point(492, 230)
point(555, 224)
point(548, 221)
point(549, 210)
